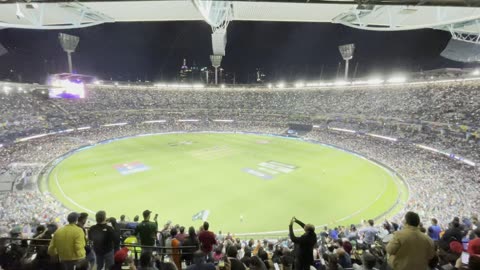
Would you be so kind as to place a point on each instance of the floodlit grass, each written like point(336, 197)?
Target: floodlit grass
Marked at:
point(191, 172)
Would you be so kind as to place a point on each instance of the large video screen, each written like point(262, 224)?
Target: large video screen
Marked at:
point(67, 85)
point(65, 88)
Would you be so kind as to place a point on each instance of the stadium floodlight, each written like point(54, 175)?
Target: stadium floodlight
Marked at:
point(69, 44)
point(476, 72)
point(281, 85)
point(347, 51)
point(299, 84)
point(269, 86)
point(341, 83)
point(397, 79)
point(216, 62)
point(375, 81)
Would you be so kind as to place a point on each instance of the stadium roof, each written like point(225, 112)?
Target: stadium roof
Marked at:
point(459, 17)
point(384, 15)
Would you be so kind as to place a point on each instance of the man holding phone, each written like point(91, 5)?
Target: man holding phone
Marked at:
point(303, 245)
point(146, 231)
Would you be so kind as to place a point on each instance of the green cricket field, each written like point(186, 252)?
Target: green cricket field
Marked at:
point(241, 183)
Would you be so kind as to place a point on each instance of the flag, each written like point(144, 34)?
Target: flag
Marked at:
point(202, 215)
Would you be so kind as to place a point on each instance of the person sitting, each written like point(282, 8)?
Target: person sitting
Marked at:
point(199, 262)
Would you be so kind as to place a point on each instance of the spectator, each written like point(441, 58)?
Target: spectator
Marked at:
point(146, 231)
point(68, 243)
point(175, 244)
point(199, 262)
point(235, 264)
point(368, 262)
point(104, 241)
point(410, 249)
point(146, 261)
point(207, 240)
point(303, 245)
point(132, 225)
point(369, 233)
point(192, 243)
point(434, 230)
point(181, 235)
point(474, 244)
point(454, 233)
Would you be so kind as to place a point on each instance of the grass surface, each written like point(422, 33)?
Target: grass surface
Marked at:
point(191, 172)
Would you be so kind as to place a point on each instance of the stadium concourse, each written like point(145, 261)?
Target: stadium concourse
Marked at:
point(429, 133)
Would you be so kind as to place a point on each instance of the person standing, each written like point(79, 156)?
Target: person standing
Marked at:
point(207, 240)
point(104, 242)
point(434, 230)
point(68, 243)
point(146, 231)
point(409, 248)
point(303, 245)
point(369, 233)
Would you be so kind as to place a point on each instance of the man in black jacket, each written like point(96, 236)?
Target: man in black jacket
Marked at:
point(104, 241)
point(303, 245)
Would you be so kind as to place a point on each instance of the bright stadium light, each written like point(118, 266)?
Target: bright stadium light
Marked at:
point(299, 84)
point(476, 72)
point(341, 83)
point(281, 85)
point(116, 83)
point(222, 86)
point(375, 81)
point(7, 88)
point(269, 86)
point(397, 79)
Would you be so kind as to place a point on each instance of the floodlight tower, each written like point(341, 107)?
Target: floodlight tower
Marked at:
point(69, 44)
point(216, 61)
point(347, 51)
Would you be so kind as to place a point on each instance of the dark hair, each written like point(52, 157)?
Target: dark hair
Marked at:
point(122, 217)
point(191, 232)
point(83, 217)
point(206, 226)
point(100, 216)
point(434, 221)
point(145, 259)
point(72, 217)
point(232, 251)
point(40, 228)
point(412, 219)
point(136, 218)
point(371, 222)
point(173, 232)
point(369, 260)
point(182, 229)
point(262, 254)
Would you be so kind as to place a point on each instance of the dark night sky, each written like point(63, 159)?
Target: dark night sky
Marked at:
point(154, 51)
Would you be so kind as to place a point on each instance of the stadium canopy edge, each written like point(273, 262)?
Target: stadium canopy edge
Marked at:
point(452, 3)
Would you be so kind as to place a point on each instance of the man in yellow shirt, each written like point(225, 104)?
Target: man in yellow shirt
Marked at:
point(68, 243)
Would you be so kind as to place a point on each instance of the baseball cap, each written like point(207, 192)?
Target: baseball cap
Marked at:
point(121, 255)
point(146, 213)
point(474, 246)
